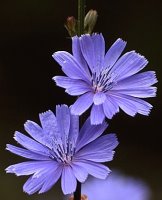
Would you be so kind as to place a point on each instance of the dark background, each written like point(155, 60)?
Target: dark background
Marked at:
point(30, 31)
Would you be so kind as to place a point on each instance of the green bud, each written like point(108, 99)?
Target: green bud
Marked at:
point(90, 21)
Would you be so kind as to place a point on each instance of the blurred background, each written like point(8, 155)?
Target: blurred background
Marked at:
point(30, 31)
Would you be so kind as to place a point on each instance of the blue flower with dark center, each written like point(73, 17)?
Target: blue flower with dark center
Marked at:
point(106, 82)
point(59, 149)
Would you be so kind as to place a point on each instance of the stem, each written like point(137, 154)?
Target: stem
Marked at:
point(77, 193)
point(81, 14)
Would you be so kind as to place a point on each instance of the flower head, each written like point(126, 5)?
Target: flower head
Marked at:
point(116, 187)
point(57, 149)
point(106, 82)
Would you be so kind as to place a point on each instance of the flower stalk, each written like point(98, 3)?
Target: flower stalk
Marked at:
point(77, 193)
point(81, 14)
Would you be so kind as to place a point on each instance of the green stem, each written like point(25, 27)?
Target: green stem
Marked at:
point(81, 14)
point(77, 193)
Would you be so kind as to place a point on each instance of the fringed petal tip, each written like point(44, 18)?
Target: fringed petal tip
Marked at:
point(138, 55)
point(114, 137)
point(107, 174)
point(7, 147)
point(89, 35)
point(8, 170)
point(84, 36)
point(155, 77)
point(151, 75)
point(154, 92)
point(29, 192)
point(27, 123)
point(15, 135)
point(45, 113)
point(121, 41)
point(11, 170)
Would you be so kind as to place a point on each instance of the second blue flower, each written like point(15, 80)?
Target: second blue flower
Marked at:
point(106, 82)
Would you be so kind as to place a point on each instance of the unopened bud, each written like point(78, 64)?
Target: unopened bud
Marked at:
point(83, 197)
point(90, 21)
point(70, 25)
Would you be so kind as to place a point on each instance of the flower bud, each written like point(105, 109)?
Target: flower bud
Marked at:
point(90, 21)
point(70, 25)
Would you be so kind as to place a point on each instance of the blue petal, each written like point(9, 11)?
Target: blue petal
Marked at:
point(144, 79)
point(26, 153)
point(78, 54)
point(80, 173)
point(99, 98)
point(100, 150)
point(51, 179)
point(95, 169)
point(110, 107)
point(93, 50)
point(70, 66)
point(49, 124)
point(79, 88)
point(64, 81)
point(99, 50)
point(129, 64)
point(87, 49)
point(137, 85)
point(74, 129)
point(31, 144)
point(127, 106)
point(43, 180)
point(82, 103)
point(114, 52)
point(68, 180)
point(97, 114)
point(139, 92)
point(37, 133)
point(143, 107)
point(63, 120)
point(132, 105)
point(33, 185)
point(73, 86)
point(89, 133)
point(47, 119)
point(32, 167)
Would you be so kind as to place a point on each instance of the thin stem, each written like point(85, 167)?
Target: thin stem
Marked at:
point(81, 14)
point(77, 193)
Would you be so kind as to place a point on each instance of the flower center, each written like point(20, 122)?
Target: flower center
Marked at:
point(62, 152)
point(102, 81)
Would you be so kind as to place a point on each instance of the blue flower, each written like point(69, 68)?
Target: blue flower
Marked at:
point(116, 187)
point(106, 82)
point(57, 149)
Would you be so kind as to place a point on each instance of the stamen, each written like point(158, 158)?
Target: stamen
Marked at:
point(102, 81)
point(62, 151)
